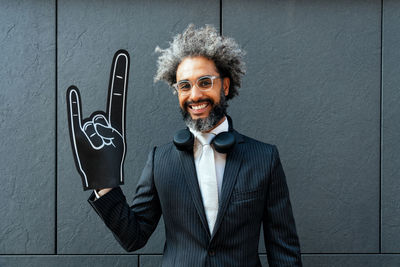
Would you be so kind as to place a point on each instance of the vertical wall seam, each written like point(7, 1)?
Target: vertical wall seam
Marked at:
point(220, 17)
point(381, 131)
point(56, 128)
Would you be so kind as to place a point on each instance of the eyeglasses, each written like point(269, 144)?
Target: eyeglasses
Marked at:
point(203, 83)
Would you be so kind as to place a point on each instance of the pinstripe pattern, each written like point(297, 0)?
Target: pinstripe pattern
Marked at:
point(254, 191)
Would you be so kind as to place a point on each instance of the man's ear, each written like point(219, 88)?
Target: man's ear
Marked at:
point(226, 84)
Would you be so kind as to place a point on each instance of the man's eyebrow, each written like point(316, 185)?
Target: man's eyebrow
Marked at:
point(202, 76)
point(183, 80)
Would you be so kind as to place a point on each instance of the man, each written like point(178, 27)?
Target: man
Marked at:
point(214, 186)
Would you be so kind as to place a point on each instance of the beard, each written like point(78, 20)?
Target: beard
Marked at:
point(217, 112)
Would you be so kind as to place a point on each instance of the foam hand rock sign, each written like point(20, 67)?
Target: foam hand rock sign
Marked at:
point(98, 142)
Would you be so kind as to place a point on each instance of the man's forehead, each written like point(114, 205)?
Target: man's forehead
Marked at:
point(195, 67)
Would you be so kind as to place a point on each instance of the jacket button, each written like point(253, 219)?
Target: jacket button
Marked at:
point(211, 252)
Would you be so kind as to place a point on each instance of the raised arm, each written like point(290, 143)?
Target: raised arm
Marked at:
point(131, 226)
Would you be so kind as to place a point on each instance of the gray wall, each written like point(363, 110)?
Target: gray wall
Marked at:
point(322, 84)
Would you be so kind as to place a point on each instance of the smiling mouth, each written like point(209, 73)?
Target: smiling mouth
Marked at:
point(198, 106)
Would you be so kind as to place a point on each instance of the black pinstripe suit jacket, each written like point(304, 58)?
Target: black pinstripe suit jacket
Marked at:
point(254, 191)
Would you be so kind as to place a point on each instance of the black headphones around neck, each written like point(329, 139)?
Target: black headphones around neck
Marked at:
point(222, 142)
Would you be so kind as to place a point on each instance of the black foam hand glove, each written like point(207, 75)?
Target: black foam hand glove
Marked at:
point(98, 142)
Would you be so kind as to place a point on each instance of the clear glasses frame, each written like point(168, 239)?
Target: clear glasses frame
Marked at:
point(204, 83)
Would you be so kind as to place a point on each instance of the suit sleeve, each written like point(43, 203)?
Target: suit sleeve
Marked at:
point(131, 225)
point(281, 241)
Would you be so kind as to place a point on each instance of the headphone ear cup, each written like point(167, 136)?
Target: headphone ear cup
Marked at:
point(224, 142)
point(184, 140)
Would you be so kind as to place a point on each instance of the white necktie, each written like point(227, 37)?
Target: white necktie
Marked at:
point(208, 179)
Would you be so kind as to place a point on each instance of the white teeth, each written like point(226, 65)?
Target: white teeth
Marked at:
point(199, 106)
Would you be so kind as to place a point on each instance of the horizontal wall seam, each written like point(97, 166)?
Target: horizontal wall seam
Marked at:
point(152, 254)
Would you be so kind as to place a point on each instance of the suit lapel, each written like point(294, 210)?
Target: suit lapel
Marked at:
point(232, 166)
point(188, 166)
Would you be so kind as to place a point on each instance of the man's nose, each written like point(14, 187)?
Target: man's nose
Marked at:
point(195, 93)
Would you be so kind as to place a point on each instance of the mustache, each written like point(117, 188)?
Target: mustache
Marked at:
point(208, 100)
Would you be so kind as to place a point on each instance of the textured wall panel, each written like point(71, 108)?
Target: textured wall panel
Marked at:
point(391, 128)
point(351, 260)
point(89, 34)
point(343, 260)
point(313, 88)
point(68, 261)
point(150, 260)
point(27, 123)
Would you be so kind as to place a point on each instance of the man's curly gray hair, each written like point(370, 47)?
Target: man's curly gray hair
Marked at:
point(205, 41)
